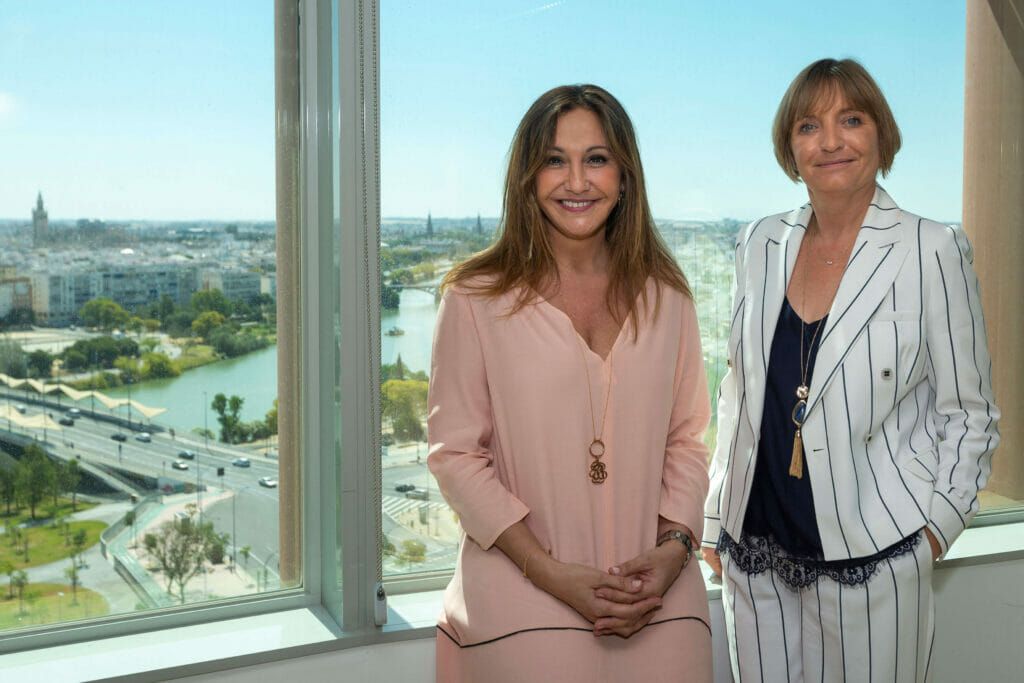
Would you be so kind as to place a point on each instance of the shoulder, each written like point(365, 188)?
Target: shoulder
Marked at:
point(930, 235)
point(771, 227)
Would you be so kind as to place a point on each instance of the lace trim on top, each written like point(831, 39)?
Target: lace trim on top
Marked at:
point(757, 554)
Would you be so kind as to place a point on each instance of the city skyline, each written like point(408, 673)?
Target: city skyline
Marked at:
point(138, 126)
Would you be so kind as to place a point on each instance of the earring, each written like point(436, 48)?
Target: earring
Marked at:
point(622, 195)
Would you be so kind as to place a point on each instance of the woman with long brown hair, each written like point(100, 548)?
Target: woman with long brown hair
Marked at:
point(567, 407)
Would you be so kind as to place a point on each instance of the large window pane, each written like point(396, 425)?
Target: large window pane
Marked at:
point(138, 400)
point(701, 82)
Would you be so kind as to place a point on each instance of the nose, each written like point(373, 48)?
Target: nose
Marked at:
point(577, 181)
point(831, 138)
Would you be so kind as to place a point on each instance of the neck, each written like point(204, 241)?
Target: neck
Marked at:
point(580, 257)
point(836, 214)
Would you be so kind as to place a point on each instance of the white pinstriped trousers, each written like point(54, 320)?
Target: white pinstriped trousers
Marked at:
point(878, 631)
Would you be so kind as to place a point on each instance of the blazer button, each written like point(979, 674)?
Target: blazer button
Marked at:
point(887, 373)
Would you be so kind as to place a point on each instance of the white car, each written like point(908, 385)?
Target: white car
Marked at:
point(179, 465)
point(241, 462)
point(144, 437)
point(268, 482)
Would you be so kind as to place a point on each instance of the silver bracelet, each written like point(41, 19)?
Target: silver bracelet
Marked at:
point(677, 535)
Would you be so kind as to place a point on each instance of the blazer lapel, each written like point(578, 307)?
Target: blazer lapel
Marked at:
point(876, 259)
point(769, 267)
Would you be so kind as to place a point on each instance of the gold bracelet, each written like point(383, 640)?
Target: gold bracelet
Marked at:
point(526, 561)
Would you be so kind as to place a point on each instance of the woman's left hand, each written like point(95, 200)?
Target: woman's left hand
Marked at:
point(657, 568)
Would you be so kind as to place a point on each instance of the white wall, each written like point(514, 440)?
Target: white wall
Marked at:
point(980, 638)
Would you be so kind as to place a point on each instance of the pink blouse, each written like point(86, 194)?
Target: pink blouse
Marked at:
point(509, 429)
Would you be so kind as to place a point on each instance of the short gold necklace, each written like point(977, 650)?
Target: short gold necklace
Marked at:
point(598, 471)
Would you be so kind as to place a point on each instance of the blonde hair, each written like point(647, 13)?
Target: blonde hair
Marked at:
point(825, 78)
point(522, 256)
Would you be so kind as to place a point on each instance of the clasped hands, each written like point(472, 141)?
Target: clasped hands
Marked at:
point(622, 600)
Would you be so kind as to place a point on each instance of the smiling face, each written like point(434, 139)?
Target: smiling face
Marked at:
point(579, 183)
point(835, 147)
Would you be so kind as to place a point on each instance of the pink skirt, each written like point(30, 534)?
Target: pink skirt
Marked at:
point(675, 650)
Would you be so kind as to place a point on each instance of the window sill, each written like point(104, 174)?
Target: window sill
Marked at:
point(247, 641)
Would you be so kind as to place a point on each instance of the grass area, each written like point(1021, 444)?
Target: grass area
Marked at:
point(194, 355)
point(44, 511)
point(46, 544)
point(43, 603)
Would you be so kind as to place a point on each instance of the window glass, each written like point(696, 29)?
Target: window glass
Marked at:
point(701, 82)
point(138, 287)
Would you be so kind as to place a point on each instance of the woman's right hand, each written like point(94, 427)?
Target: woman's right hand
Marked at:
point(576, 584)
point(714, 560)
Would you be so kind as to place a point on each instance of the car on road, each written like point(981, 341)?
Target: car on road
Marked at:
point(66, 421)
point(187, 455)
point(268, 482)
point(74, 413)
point(241, 462)
point(405, 488)
point(118, 436)
point(144, 437)
point(418, 494)
point(20, 408)
point(179, 465)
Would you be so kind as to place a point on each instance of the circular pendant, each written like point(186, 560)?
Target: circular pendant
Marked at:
point(596, 449)
point(598, 472)
point(802, 392)
point(799, 412)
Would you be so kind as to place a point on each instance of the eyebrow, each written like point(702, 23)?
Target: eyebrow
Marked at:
point(848, 110)
point(554, 148)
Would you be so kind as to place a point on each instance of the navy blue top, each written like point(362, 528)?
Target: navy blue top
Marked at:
point(781, 506)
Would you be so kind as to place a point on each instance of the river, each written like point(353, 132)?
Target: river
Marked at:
point(254, 376)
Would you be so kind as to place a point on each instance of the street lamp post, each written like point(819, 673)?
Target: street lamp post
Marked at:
point(206, 428)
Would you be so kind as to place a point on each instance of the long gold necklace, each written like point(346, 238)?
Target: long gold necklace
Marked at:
point(799, 414)
point(598, 472)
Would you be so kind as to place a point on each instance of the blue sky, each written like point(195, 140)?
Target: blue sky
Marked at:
point(122, 109)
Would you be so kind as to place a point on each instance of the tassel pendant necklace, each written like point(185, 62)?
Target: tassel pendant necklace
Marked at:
point(799, 414)
point(598, 471)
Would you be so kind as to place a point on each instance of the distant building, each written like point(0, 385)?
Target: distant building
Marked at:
point(15, 295)
point(57, 297)
point(40, 223)
point(268, 285)
point(479, 227)
point(430, 226)
point(237, 285)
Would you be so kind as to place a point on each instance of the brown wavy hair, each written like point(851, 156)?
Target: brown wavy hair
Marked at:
point(522, 256)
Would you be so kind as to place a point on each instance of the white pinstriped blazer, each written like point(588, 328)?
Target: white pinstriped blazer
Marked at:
point(900, 424)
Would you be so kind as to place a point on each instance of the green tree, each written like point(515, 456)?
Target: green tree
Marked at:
point(40, 363)
point(227, 410)
point(206, 322)
point(129, 368)
point(78, 540)
point(246, 551)
point(404, 403)
point(151, 324)
point(271, 420)
point(158, 366)
point(8, 487)
point(7, 567)
point(71, 477)
point(389, 297)
point(211, 300)
point(179, 549)
point(412, 551)
point(19, 580)
point(35, 477)
point(13, 359)
point(74, 579)
point(104, 313)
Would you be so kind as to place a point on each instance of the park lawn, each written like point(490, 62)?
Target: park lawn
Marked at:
point(48, 606)
point(46, 544)
point(194, 355)
point(44, 511)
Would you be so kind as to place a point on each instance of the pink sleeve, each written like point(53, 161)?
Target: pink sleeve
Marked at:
point(684, 483)
point(459, 427)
